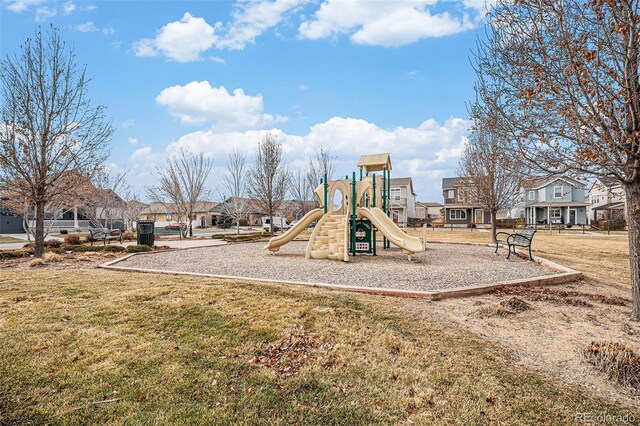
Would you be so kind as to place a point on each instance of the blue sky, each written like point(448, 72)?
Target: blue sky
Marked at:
point(358, 76)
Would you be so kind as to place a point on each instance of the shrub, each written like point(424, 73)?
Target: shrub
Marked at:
point(52, 257)
point(128, 236)
point(114, 249)
point(138, 248)
point(53, 243)
point(64, 232)
point(81, 249)
point(84, 259)
point(56, 250)
point(36, 262)
point(15, 254)
point(72, 240)
point(616, 360)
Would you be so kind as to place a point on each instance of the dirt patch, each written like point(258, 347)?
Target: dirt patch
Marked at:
point(511, 306)
point(290, 354)
point(562, 297)
point(617, 361)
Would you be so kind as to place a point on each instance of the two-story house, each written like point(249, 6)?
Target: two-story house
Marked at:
point(607, 200)
point(552, 200)
point(459, 208)
point(402, 199)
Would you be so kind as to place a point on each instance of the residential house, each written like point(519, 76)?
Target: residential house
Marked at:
point(167, 213)
point(551, 199)
point(459, 208)
point(606, 199)
point(429, 210)
point(403, 200)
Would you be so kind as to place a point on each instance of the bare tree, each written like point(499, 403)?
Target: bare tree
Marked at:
point(492, 176)
point(269, 177)
point(99, 197)
point(133, 208)
point(570, 92)
point(301, 191)
point(48, 127)
point(181, 182)
point(235, 204)
point(323, 164)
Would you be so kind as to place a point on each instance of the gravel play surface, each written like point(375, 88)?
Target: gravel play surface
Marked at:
point(442, 266)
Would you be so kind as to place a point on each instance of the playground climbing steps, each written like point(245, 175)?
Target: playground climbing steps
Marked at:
point(329, 239)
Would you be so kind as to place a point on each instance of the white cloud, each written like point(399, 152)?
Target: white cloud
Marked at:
point(108, 31)
point(218, 60)
point(132, 141)
point(303, 87)
point(68, 8)
point(253, 18)
point(386, 24)
point(19, 6)
point(128, 123)
point(45, 13)
point(427, 152)
point(86, 27)
point(199, 103)
point(181, 41)
point(141, 153)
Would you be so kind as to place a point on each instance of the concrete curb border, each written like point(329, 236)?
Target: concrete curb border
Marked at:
point(564, 275)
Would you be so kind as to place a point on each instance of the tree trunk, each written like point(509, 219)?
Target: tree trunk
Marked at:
point(237, 226)
point(493, 226)
point(633, 222)
point(271, 223)
point(39, 235)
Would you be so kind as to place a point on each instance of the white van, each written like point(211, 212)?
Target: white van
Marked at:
point(279, 224)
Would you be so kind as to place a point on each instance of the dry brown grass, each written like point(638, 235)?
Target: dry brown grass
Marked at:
point(52, 257)
point(96, 346)
point(619, 362)
point(36, 262)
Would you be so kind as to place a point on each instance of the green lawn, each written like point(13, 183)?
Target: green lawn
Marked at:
point(95, 346)
point(7, 239)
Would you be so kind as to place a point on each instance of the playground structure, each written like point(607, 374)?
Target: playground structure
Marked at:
point(350, 227)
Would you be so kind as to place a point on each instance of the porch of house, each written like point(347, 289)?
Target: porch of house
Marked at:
point(556, 215)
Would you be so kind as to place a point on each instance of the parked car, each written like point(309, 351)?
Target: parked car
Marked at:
point(279, 224)
point(175, 227)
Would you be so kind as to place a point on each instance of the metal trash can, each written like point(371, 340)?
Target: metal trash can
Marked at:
point(145, 232)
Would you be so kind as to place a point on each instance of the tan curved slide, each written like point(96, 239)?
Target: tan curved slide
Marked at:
point(389, 229)
point(275, 243)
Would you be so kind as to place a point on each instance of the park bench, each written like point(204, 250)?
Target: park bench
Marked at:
point(104, 235)
point(520, 238)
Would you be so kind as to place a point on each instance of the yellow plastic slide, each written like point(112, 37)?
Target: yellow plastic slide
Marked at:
point(389, 229)
point(275, 243)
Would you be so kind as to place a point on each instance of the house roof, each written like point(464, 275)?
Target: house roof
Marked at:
point(452, 182)
point(375, 162)
point(403, 181)
point(607, 182)
point(430, 204)
point(610, 206)
point(559, 204)
point(540, 181)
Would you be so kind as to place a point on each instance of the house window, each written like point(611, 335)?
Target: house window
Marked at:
point(457, 214)
point(557, 191)
point(532, 195)
point(460, 194)
point(395, 193)
point(555, 213)
point(450, 193)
